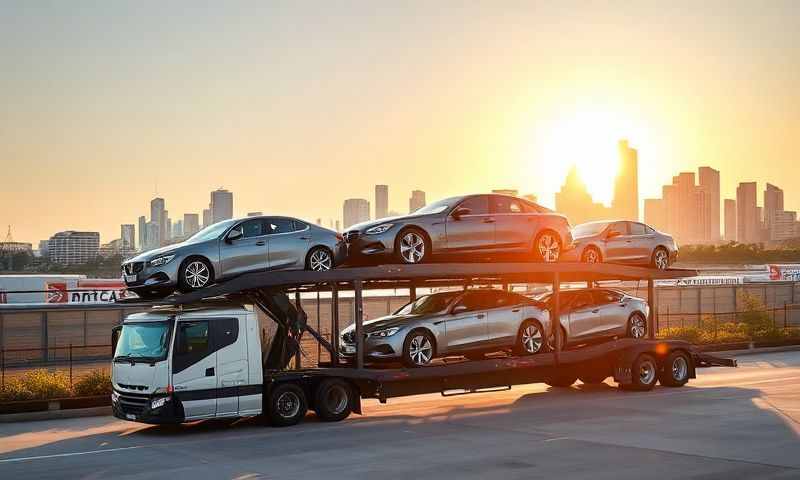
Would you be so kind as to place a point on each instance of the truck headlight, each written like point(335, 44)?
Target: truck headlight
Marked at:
point(157, 262)
point(158, 403)
point(379, 229)
point(384, 333)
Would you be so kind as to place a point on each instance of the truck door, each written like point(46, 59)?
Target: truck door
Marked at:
point(231, 351)
point(194, 365)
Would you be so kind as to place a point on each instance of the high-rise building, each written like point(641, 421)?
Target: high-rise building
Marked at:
point(153, 236)
point(682, 210)
point(127, 236)
point(177, 229)
point(783, 226)
point(773, 203)
point(655, 213)
point(574, 201)
point(157, 216)
point(73, 248)
point(207, 217)
point(730, 220)
point(167, 223)
point(221, 205)
point(191, 224)
point(356, 210)
point(381, 201)
point(626, 186)
point(142, 232)
point(709, 181)
point(747, 216)
point(416, 201)
point(255, 214)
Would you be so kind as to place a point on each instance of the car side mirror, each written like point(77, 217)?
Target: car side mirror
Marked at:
point(458, 309)
point(233, 235)
point(613, 234)
point(460, 211)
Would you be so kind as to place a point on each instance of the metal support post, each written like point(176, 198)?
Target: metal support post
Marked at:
point(335, 324)
point(555, 321)
point(358, 310)
point(412, 293)
point(651, 299)
point(44, 336)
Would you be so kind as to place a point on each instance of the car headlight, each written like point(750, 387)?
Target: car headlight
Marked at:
point(157, 262)
point(158, 403)
point(384, 333)
point(379, 229)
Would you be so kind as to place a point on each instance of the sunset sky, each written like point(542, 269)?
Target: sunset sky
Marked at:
point(296, 106)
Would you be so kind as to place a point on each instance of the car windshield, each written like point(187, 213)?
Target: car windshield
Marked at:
point(148, 340)
point(211, 231)
point(436, 207)
point(588, 229)
point(428, 304)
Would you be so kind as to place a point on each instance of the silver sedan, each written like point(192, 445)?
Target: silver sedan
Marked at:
point(467, 323)
point(230, 248)
point(622, 242)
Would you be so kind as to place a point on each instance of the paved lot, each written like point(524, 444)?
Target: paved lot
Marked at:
point(729, 424)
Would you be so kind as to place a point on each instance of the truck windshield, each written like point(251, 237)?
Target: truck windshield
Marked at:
point(428, 304)
point(145, 340)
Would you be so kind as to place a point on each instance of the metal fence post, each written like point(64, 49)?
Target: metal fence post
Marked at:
point(358, 311)
point(556, 320)
point(651, 297)
point(44, 336)
point(785, 316)
point(3, 368)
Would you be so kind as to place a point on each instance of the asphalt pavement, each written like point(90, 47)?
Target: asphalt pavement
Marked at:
point(726, 424)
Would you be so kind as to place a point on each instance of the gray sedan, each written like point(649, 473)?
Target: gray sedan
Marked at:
point(623, 242)
point(481, 225)
point(230, 248)
point(467, 323)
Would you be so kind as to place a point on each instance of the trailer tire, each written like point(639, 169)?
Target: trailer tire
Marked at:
point(644, 374)
point(675, 370)
point(287, 405)
point(333, 399)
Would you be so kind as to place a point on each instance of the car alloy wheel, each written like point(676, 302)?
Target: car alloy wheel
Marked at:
point(420, 350)
point(548, 247)
point(412, 247)
point(197, 274)
point(320, 260)
point(591, 256)
point(638, 326)
point(531, 339)
point(661, 259)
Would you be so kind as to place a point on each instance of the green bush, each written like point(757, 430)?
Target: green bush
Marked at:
point(36, 385)
point(98, 382)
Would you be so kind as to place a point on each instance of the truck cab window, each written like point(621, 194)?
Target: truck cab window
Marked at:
point(192, 344)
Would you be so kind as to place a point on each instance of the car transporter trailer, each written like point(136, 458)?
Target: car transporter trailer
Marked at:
point(334, 389)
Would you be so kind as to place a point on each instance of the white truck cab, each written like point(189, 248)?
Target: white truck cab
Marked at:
point(180, 364)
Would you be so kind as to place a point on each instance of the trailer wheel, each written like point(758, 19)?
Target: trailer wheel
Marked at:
point(287, 405)
point(644, 374)
point(332, 400)
point(675, 370)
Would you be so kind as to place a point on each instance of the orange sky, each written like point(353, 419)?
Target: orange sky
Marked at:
point(297, 107)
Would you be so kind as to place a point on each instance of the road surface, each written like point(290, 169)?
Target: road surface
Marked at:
point(729, 424)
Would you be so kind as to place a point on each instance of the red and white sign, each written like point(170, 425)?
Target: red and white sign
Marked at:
point(784, 272)
point(85, 291)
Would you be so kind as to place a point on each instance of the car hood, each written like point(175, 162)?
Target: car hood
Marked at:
point(151, 254)
point(384, 322)
point(374, 223)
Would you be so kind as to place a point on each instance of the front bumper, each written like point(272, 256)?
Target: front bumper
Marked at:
point(135, 407)
point(140, 275)
point(375, 349)
point(362, 248)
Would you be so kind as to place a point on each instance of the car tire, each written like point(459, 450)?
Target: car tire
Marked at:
point(530, 338)
point(319, 259)
point(419, 348)
point(547, 247)
point(591, 255)
point(637, 326)
point(675, 370)
point(287, 405)
point(660, 259)
point(333, 399)
point(551, 344)
point(411, 246)
point(644, 374)
point(195, 273)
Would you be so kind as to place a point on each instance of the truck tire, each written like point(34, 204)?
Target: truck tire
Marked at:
point(644, 374)
point(675, 370)
point(333, 399)
point(287, 405)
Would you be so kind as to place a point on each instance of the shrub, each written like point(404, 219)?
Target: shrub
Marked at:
point(36, 385)
point(689, 334)
point(98, 382)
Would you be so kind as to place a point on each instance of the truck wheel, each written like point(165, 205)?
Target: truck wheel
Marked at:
point(644, 374)
point(562, 380)
point(287, 405)
point(675, 370)
point(333, 399)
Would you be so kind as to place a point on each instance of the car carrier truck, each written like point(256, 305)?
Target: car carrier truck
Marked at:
point(227, 350)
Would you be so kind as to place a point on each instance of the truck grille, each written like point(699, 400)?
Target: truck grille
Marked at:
point(132, 403)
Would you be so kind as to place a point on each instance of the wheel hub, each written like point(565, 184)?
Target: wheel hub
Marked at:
point(548, 248)
point(412, 247)
point(420, 350)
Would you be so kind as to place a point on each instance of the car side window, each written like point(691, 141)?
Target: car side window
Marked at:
point(603, 297)
point(475, 301)
point(649, 230)
point(192, 344)
point(501, 204)
point(619, 227)
point(582, 300)
point(298, 225)
point(636, 228)
point(251, 228)
point(478, 205)
point(279, 225)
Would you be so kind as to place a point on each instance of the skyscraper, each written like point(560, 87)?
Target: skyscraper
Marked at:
point(655, 213)
point(626, 186)
point(153, 236)
point(773, 203)
point(747, 218)
point(730, 220)
point(682, 211)
point(416, 201)
point(167, 227)
point(142, 232)
point(73, 248)
point(356, 210)
point(381, 201)
point(177, 229)
point(157, 217)
point(221, 205)
point(191, 224)
point(709, 181)
point(127, 234)
point(206, 217)
point(574, 201)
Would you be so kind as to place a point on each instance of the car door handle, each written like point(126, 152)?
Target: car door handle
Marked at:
point(481, 315)
point(305, 238)
point(210, 372)
point(515, 310)
point(595, 310)
point(261, 243)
